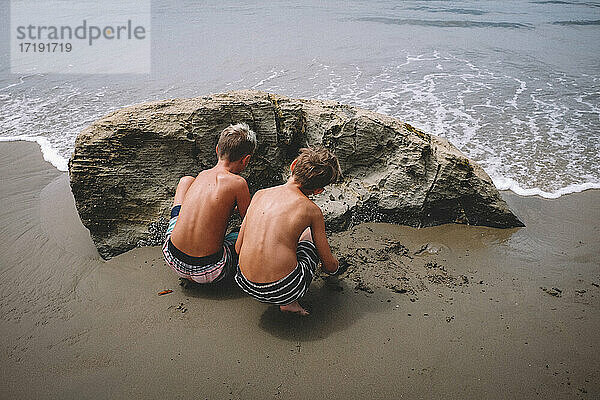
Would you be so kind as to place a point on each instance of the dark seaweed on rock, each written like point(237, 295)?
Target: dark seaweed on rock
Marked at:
point(126, 165)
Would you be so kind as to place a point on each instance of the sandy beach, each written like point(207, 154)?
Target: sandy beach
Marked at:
point(451, 311)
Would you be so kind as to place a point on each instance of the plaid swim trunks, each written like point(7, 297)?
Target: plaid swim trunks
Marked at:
point(209, 269)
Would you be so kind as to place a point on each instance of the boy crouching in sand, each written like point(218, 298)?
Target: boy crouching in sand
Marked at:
point(283, 234)
point(195, 245)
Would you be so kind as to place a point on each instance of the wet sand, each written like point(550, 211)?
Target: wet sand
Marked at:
point(445, 312)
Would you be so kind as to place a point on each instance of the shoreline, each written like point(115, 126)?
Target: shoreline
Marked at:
point(450, 311)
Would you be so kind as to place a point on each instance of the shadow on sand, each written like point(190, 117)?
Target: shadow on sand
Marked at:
point(333, 306)
point(224, 290)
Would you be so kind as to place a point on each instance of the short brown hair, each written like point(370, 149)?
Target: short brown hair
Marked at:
point(236, 141)
point(316, 168)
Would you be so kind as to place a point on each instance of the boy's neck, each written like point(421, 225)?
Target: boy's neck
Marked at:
point(291, 182)
point(224, 164)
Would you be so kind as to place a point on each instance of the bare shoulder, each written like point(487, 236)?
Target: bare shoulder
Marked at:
point(240, 181)
point(308, 207)
point(269, 191)
point(234, 181)
point(314, 210)
point(257, 196)
point(204, 172)
point(260, 192)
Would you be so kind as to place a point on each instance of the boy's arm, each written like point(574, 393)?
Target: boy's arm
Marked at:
point(330, 263)
point(240, 238)
point(242, 198)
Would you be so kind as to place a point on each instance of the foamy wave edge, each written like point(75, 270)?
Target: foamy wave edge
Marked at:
point(48, 152)
point(503, 183)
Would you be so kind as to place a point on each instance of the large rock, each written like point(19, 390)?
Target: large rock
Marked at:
point(126, 165)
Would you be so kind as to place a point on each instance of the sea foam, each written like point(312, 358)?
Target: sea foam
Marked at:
point(503, 183)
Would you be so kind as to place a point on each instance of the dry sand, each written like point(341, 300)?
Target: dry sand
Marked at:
point(445, 312)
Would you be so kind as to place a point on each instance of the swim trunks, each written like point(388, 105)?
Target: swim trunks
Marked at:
point(209, 269)
point(290, 288)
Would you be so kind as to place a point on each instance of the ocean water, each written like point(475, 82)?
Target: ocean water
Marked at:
point(515, 85)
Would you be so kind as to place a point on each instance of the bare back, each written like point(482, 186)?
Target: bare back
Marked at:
point(206, 208)
point(269, 236)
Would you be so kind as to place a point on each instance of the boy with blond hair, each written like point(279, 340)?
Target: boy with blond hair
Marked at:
point(196, 247)
point(283, 236)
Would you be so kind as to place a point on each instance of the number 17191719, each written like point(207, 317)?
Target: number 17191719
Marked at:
point(50, 47)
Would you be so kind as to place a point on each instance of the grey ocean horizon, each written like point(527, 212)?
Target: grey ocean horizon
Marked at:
point(514, 85)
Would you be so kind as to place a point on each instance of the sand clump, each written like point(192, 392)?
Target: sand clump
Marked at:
point(377, 260)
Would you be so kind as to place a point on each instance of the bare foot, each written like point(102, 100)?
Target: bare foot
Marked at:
point(294, 307)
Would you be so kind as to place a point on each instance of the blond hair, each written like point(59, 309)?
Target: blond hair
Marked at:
point(236, 141)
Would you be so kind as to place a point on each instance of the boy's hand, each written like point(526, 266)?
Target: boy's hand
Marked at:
point(342, 266)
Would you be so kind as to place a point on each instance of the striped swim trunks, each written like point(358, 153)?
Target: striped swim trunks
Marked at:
point(208, 269)
point(290, 288)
